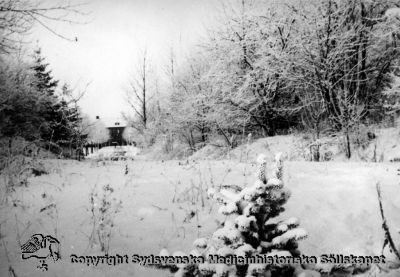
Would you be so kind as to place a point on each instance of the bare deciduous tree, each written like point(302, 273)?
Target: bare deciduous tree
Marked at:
point(17, 17)
point(138, 94)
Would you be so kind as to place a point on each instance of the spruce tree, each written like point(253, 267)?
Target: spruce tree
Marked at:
point(70, 115)
point(44, 81)
point(55, 129)
point(249, 230)
point(73, 136)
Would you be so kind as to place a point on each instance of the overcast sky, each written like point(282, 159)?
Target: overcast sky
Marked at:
point(109, 44)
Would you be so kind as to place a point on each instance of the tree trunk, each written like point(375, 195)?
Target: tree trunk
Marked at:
point(347, 144)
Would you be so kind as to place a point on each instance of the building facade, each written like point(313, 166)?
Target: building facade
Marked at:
point(116, 127)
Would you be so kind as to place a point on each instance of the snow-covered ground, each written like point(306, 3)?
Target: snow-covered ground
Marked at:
point(164, 206)
point(296, 147)
point(114, 152)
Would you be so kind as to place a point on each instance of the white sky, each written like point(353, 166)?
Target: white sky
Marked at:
point(109, 44)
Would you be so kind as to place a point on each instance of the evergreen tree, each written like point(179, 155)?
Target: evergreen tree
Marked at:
point(69, 117)
point(55, 129)
point(75, 133)
point(44, 81)
point(248, 231)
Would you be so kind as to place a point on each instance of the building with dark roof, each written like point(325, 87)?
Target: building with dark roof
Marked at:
point(116, 127)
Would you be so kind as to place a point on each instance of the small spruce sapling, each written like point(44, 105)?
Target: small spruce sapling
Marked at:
point(248, 230)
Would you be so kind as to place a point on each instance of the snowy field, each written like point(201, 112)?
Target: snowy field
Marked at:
point(164, 205)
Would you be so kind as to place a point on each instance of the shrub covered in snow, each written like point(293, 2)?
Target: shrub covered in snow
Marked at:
point(248, 229)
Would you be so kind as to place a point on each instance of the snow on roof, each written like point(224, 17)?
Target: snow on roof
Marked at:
point(113, 121)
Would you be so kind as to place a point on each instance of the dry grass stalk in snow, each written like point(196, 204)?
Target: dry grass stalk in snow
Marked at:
point(103, 207)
